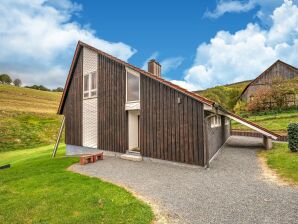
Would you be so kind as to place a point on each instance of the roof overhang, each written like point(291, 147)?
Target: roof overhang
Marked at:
point(249, 124)
point(80, 45)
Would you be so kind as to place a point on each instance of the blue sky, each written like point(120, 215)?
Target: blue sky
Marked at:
point(199, 43)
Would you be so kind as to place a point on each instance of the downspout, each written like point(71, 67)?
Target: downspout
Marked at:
point(206, 134)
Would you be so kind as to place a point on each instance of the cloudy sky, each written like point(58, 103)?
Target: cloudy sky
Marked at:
point(199, 44)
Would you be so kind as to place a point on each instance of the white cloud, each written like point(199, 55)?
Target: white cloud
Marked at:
point(170, 63)
point(166, 64)
point(185, 85)
point(38, 38)
point(230, 6)
point(246, 53)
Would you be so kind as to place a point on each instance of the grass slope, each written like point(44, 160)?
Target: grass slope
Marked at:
point(283, 161)
point(27, 117)
point(226, 95)
point(38, 189)
point(277, 122)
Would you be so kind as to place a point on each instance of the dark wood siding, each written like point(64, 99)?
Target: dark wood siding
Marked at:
point(112, 117)
point(169, 130)
point(73, 105)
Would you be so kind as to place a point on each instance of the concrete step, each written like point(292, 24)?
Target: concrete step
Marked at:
point(134, 153)
point(132, 157)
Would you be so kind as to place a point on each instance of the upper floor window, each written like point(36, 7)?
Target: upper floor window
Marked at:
point(90, 85)
point(132, 86)
point(215, 121)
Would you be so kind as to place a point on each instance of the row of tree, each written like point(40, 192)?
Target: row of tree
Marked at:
point(6, 79)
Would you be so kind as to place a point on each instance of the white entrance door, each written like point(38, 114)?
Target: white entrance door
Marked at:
point(133, 129)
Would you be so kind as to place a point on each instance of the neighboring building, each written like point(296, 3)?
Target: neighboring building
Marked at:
point(280, 70)
point(111, 105)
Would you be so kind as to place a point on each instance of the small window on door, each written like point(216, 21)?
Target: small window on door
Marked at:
point(90, 85)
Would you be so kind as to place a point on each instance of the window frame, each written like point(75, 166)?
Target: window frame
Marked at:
point(90, 90)
point(132, 72)
point(216, 121)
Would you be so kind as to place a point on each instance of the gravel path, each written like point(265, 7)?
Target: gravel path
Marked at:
point(231, 191)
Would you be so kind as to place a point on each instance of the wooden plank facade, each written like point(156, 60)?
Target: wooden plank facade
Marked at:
point(170, 121)
point(278, 70)
point(112, 117)
point(171, 124)
point(73, 105)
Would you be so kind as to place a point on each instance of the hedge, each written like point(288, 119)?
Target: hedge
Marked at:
point(293, 136)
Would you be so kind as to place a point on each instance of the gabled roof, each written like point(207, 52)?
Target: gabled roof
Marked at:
point(148, 74)
point(262, 74)
point(195, 96)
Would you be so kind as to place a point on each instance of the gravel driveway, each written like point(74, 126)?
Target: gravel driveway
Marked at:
point(231, 191)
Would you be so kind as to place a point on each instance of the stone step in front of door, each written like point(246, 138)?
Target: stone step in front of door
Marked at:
point(130, 157)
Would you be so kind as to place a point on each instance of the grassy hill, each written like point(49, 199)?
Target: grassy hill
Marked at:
point(27, 117)
point(226, 95)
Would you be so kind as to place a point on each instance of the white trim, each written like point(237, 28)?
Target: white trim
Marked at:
point(89, 91)
point(207, 107)
point(252, 127)
point(132, 106)
point(132, 72)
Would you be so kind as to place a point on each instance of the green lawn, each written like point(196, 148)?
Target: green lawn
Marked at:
point(283, 161)
point(275, 122)
point(38, 189)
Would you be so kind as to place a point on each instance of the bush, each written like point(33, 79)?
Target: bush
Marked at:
point(293, 136)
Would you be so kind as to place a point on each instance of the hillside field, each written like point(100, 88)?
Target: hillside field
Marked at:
point(27, 117)
point(226, 95)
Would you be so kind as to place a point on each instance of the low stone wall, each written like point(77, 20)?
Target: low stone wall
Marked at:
point(255, 134)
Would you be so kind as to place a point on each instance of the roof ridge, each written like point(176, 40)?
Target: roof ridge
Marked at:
point(199, 97)
point(260, 75)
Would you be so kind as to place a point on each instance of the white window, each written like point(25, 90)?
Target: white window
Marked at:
point(215, 121)
point(132, 86)
point(90, 85)
point(227, 121)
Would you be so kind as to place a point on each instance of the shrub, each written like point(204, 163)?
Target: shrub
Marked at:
point(240, 107)
point(293, 136)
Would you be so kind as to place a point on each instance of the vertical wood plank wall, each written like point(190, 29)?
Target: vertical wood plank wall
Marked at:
point(112, 117)
point(73, 106)
point(168, 130)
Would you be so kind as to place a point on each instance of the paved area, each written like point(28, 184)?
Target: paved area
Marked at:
point(231, 191)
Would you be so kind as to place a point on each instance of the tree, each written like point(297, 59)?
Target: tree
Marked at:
point(40, 87)
point(5, 79)
point(280, 90)
point(58, 89)
point(261, 100)
point(17, 82)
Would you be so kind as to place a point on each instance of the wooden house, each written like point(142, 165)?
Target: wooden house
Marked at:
point(278, 70)
point(112, 105)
